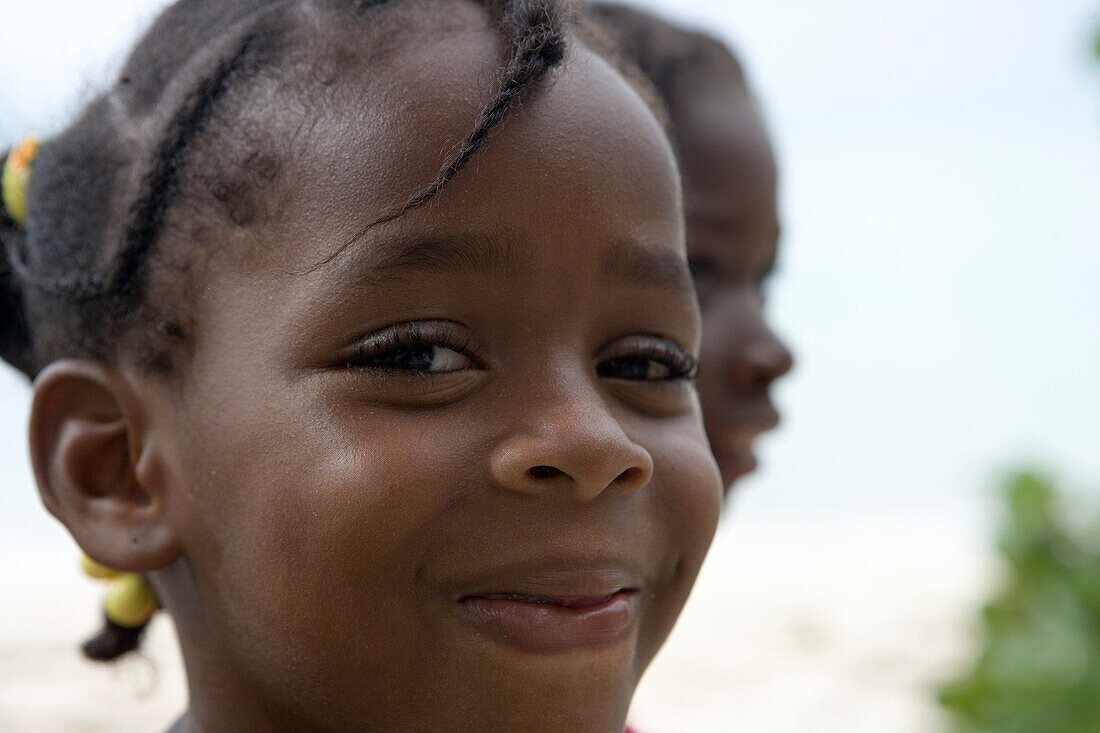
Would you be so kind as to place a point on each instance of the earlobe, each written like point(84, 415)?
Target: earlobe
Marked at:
point(95, 463)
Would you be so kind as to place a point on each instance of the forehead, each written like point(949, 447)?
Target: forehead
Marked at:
point(358, 144)
point(725, 151)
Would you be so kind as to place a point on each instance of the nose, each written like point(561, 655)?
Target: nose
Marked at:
point(760, 360)
point(738, 344)
point(577, 448)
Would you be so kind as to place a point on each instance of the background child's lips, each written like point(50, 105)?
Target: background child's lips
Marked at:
point(732, 435)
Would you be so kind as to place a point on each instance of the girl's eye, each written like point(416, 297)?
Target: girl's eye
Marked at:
point(424, 358)
point(652, 360)
point(417, 348)
point(634, 368)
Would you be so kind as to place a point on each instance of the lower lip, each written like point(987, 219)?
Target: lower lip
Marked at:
point(553, 627)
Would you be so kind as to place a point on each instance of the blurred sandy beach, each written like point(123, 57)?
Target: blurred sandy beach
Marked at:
point(839, 626)
point(826, 626)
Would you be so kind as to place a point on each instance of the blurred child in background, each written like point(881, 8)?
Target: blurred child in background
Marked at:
point(729, 180)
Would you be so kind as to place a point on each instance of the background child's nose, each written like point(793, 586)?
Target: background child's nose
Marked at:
point(574, 447)
point(759, 360)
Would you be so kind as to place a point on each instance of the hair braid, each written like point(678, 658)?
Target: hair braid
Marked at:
point(160, 184)
point(536, 45)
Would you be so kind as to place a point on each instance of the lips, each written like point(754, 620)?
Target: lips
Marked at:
point(733, 451)
point(555, 608)
point(732, 441)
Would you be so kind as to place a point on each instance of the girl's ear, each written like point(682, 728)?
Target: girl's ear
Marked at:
point(98, 467)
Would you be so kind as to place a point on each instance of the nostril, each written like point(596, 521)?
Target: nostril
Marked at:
point(543, 471)
point(632, 476)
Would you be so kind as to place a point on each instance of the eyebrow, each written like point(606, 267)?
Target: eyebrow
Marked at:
point(700, 217)
point(633, 264)
point(448, 253)
point(626, 262)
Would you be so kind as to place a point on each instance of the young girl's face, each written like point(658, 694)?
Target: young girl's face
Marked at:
point(453, 477)
point(732, 237)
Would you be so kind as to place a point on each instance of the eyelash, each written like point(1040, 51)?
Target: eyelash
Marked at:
point(382, 352)
point(680, 363)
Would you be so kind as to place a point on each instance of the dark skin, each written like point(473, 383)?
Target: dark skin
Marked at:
point(489, 394)
point(732, 238)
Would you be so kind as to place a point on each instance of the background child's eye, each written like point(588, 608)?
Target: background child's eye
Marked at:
point(704, 268)
point(705, 273)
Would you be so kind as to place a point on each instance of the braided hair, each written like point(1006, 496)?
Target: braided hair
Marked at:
point(76, 275)
point(75, 278)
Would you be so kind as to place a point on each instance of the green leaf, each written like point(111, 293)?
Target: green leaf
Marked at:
point(1038, 664)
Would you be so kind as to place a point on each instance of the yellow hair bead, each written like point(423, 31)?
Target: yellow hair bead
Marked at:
point(13, 180)
point(94, 570)
point(130, 601)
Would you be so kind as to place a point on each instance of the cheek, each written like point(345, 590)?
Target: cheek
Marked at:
point(719, 346)
point(310, 532)
point(730, 324)
point(688, 491)
point(729, 321)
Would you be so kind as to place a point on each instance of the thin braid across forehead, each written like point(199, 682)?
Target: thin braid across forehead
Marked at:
point(533, 30)
point(102, 191)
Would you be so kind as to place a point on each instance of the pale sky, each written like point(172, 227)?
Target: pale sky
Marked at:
point(941, 176)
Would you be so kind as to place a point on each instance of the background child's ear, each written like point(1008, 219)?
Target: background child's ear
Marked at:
point(97, 466)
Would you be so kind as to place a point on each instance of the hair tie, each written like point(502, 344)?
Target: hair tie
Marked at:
point(16, 174)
